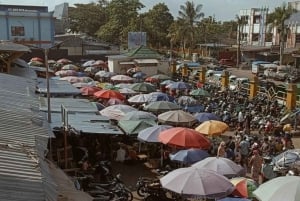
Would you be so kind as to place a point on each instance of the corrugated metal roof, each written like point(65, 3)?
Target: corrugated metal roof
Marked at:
point(57, 87)
point(71, 104)
point(87, 123)
point(24, 133)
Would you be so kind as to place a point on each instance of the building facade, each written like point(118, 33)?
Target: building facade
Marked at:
point(253, 32)
point(28, 25)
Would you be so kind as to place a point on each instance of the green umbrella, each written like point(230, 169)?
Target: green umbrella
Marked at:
point(161, 106)
point(161, 77)
point(143, 87)
point(199, 92)
point(133, 127)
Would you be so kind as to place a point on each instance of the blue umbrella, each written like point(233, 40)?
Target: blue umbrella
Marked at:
point(139, 75)
point(233, 199)
point(206, 116)
point(160, 96)
point(167, 82)
point(189, 156)
point(194, 108)
point(179, 85)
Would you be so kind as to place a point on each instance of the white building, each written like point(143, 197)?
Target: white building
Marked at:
point(254, 31)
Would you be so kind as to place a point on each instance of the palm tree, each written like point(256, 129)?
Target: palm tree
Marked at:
point(190, 14)
point(241, 22)
point(276, 20)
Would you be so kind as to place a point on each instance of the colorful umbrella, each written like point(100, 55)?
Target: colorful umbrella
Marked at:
point(199, 92)
point(64, 61)
point(114, 101)
point(244, 187)
point(223, 166)
point(184, 137)
point(63, 73)
point(84, 84)
point(107, 94)
point(70, 67)
point(279, 189)
point(123, 78)
point(36, 63)
point(189, 156)
point(167, 82)
point(179, 85)
point(186, 100)
point(139, 115)
point(197, 182)
point(127, 91)
point(116, 111)
point(161, 77)
point(160, 96)
point(105, 74)
point(89, 90)
point(71, 79)
point(123, 85)
point(88, 63)
point(133, 127)
point(206, 116)
point(161, 106)
point(151, 80)
point(143, 87)
point(139, 75)
point(139, 99)
point(151, 134)
point(177, 118)
point(37, 59)
point(212, 128)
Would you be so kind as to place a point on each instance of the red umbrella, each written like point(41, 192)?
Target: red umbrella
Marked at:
point(108, 94)
point(151, 79)
point(89, 91)
point(37, 59)
point(64, 61)
point(184, 137)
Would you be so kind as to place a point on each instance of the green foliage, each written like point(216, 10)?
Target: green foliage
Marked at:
point(86, 18)
point(156, 28)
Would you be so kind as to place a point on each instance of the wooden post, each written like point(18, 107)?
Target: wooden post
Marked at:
point(291, 94)
point(225, 80)
point(202, 74)
point(253, 87)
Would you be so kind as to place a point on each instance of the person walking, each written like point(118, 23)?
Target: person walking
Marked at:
point(255, 163)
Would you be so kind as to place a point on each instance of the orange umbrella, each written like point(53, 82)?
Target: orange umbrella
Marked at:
point(212, 128)
point(244, 187)
point(89, 90)
point(184, 137)
point(108, 94)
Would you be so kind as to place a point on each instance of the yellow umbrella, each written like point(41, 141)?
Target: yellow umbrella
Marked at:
point(212, 128)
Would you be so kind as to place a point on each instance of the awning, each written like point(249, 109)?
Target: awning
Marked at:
point(126, 63)
point(146, 61)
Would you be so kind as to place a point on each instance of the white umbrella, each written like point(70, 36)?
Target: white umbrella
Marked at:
point(279, 189)
point(121, 78)
point(116, 111)
point(151, 134)
point(127, 91)
point(223, 166)
point(197, 182)
point(139, 115)
point(140, 98)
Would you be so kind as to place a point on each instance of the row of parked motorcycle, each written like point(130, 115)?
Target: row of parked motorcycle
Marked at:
point(102, 185)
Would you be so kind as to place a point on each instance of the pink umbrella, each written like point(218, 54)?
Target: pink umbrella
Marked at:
point(64, 61)
point(115, 101)
point(89, 91)
point(71, 79)
point(64, 73)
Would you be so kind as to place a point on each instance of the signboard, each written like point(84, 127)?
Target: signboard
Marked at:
point(136, 39)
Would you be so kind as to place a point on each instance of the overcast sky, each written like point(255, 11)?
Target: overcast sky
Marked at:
point(222, 9)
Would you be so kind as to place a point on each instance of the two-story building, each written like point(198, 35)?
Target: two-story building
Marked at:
point(30, 25)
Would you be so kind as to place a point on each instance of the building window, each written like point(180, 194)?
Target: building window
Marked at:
point(269, 37)
point(255, 37)
point(17, 31)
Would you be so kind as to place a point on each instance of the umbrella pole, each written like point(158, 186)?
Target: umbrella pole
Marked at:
point(140, 144)
point(161, 156)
